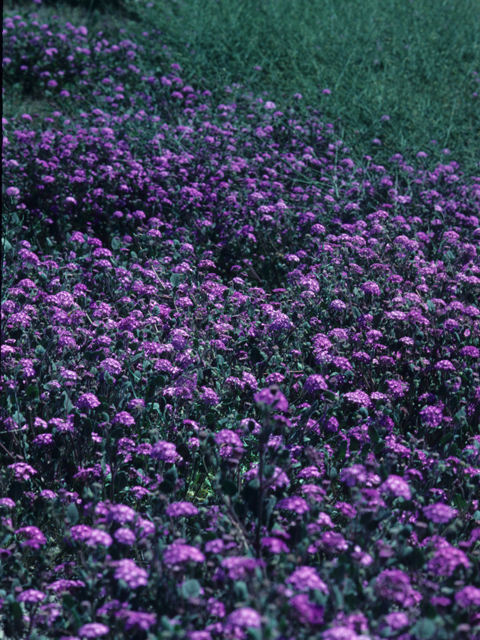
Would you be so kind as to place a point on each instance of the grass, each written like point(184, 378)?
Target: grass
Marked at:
point(414, 61)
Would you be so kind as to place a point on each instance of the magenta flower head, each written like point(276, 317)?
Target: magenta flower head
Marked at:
point(165, 452)
point(315, 384)
point(138, 620)
point(7, 502)
point(88, 401)
point(34, 537)
point(124, 418)
point(371, 287)
point(468, 597)
point(13, 192)
point(439, 513)
point(397, 620)
point(272, 397)
point(130, 573)
point(306, 578)
point(181, 510)
point(245, 618)
point(295, 504)
point(93, 630)
point(179, 554)
point(396, 486)
point(31, 596)
point(359, 398)
point(394, 585)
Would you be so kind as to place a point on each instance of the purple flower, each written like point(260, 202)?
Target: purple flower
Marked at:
point(179, 339)
point(294, 503)
point(397, 620)
point(444, 365)
point(209, 396)
point(12, 191)
point(62, 585)
point(274, 545)
point(245, 618)
point(121, 513)
point(280, 322)
point(34, 537)
point(7, 502)
point(48, 494)
point(371, 287)
point(138, 620)
point(165, 452)
point(314, 384)
point(99, 537)
point(112, 366)
point(93, 630)
point(137, 404)
point(395, 485)
point(181, 510)
point(88, 401)
point(340, 633)
point(22, 470)
point(338, 305)
point(124, 418)
point(439, 513)
point(394, 585)
point(273, 397)
point(305, 578)
point(80, 532)
point(199, 635)
point(333, 542)
point(125, 536)
point(446, 560)
point(181, 554)
point(432, 416)
point(397, 388)
point(470, 351)
point(356, 474)
point(308, 612)
point(128, 571)
point(216, 608)
point(358, 397)
point(214, 546)
point(307, 473)
point(31, 596)
point(467, 597)
point(239, 566)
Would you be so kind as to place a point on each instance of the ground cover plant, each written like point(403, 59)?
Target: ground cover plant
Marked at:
point(240, 380)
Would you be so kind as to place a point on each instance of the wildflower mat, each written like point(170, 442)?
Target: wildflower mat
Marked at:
point(240, 380)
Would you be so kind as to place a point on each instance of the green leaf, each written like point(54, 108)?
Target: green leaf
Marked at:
point(16, 611)
point(256, 355)
point(19, 418)
point(190, 589)
point(460, 501)
point(72, 513)
point(373, 434)
point(229, 488)
point(424, 629)
point(171, 475)
point(342, 450)
point(176, 279)
point(329, 395)
point(166, 487)
point(241, 590)
point(339, 601)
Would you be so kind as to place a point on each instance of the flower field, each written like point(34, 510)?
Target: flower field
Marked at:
point(240, 383)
